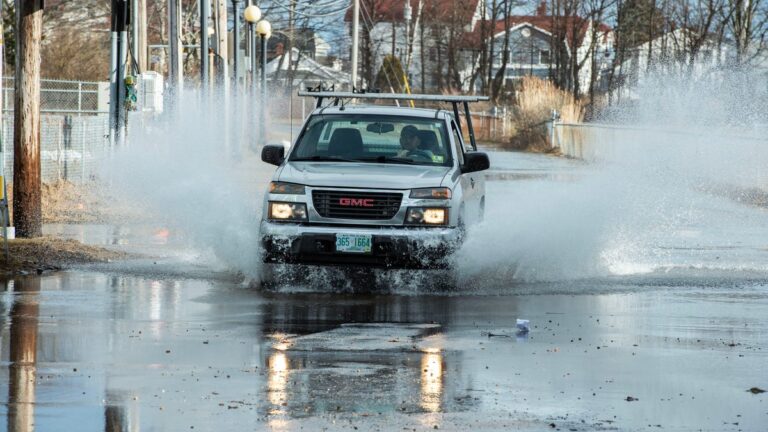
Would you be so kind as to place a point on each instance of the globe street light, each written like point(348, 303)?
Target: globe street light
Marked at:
point(252, 13)
point(264, 29)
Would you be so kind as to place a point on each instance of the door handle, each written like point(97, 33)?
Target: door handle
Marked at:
point(472, 182)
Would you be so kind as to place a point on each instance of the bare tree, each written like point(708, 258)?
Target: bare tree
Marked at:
point(75, 55)
point(749, 25)
point(699, 19)
point(499, 77)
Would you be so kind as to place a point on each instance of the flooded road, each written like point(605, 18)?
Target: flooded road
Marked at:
point(667, 331)
point(91, 351)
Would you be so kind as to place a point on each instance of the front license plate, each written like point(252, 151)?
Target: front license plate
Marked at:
point(354, 243)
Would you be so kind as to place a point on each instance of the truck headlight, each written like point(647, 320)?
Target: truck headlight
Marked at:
point(285, 211)
point(426, 216)
point(431, 193)
point(286, 188)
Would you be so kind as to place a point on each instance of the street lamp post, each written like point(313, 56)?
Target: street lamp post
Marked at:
point(236, 43)
point(252, 16)
point(264, 29)
point(205, 69)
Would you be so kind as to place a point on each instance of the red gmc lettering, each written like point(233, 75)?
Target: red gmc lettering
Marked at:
point(352, 202)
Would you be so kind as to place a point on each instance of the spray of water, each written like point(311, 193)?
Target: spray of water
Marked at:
point(665, 190)
point(191, 172)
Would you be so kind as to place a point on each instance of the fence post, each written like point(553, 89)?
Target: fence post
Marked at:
point(555, 118)
point(82, 152)
point(67, 143)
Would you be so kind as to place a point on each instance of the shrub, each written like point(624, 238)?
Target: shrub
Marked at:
point(535, 102)
point(390, 74)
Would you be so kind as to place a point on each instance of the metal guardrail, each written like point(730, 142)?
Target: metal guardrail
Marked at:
point(592, 141)
point(707, 133)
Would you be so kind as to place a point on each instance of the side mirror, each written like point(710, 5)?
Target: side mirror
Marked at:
point(273, 154)
point(475, 161)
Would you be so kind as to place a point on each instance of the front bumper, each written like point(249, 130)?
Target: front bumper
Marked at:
point(394, 247)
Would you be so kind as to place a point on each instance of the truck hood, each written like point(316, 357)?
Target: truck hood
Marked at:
point(363, 175)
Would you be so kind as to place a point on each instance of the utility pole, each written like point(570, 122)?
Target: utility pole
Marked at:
point(236, 46)
point(291, 39)
point(222, 68)
point(26, 133)
point(142, 41)
point(355, 39)
point(139, 35)
point(2, 94)
point(118, 26)
point(135, 35)
point(175, 72)
point(205, 72)
point(407, 15)
point(222, 47)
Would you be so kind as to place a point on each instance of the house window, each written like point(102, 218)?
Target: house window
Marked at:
point(545, 57)
point(522, 56)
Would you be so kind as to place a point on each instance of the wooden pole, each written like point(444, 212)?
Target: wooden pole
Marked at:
point(26, 134)
point(142, 41)
point(2, 96)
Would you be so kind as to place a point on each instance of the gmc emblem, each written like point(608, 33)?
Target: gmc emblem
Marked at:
point(353, 202)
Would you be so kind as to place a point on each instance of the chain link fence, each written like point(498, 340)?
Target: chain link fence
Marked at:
point(74, 129)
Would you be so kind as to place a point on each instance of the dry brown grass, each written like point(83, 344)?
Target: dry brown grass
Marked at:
point(535, 103)
point(47, 253)
point(66, 202)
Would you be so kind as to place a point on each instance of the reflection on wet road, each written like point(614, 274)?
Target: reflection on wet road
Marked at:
point(92, 351)
point(23, 356)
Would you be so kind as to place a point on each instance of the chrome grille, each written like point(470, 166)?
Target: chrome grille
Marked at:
point(349, 205)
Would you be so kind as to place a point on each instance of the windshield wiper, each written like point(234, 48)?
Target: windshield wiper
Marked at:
point(324, 159)
point(386, 159)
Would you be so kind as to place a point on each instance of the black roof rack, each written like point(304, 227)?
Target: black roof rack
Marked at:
point(454, 100)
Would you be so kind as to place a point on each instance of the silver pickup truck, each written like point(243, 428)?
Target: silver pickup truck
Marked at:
point(372, 185)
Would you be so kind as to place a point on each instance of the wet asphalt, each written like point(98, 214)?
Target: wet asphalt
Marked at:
point(92, 351)
point(172, 344)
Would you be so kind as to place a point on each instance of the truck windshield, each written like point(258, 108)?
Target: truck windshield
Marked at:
point(374, 139)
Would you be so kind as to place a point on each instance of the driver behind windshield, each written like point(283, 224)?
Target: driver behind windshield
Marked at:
point(410, 142)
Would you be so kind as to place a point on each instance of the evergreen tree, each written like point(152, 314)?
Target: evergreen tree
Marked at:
point(639, 21)
point(390, 75)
